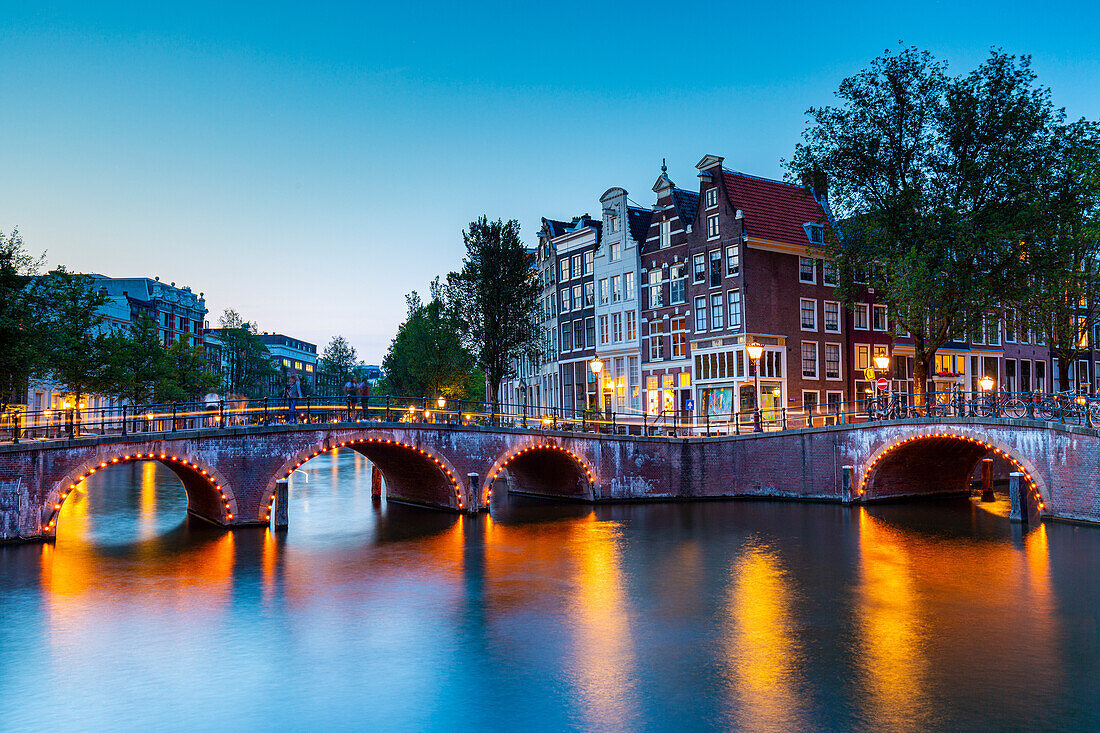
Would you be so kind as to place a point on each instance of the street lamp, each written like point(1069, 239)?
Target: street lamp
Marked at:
point(596, 365)
point(882, 362)
point(986, 383)
point(755, 352)
point(441, 402)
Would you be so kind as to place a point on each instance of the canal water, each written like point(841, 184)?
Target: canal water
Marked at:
point(742, 615)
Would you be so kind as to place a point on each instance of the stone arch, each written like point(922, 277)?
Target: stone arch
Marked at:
point(543, 469)
point(905, 465)
point(209, 496)
point(412, 474)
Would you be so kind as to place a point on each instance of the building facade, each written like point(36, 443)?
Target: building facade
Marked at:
point(575, 253)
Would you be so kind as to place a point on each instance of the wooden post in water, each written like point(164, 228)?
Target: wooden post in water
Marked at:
point(847, 478)
point(1018, 497)
point(987, 480)
point(282, 498)
point(375, 483)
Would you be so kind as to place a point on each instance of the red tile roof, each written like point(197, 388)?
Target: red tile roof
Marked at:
point(773, 210)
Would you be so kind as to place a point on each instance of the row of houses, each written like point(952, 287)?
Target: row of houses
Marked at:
point(667, 299)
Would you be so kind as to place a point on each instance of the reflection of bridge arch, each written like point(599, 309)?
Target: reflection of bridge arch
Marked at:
point(425, 479)
point(209, 496)
point(544, 469)
point(905, 465)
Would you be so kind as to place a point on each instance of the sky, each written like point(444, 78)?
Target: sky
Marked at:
point(309, 164)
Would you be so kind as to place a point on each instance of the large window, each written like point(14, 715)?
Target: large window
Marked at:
point(631, 325)
point(576, 265)
point(666, 233)
point(590, 332)
point(603, 291)
point(564, 269)
point(589, 295)
point(578, 334)
point(566, 303)
point(716, 268)
point(880, 318)
point(578, 301)
point(809, 359)
point(603, 330)
point(588, 258)
point(566, 337)
point(616, 289)
point(699, 268)
point(807, 308)
point(656, 340)
point(717, 311)
point(832, 316)
point(700, 314)
point(616, 327)
point(628, 286)
point(679, 337)
point(655, 300)
point(678, 283)
point(733, 260)
point(733, 300)
point(806, 270)
point(712, 226)
point(860, 316)
point(832, 361)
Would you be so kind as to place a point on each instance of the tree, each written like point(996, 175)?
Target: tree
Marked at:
point(339, 360)
point(22, 313)
point(73, 337)
point(134, 363)
point(494, 299)
point(246, 362)
point(935, 181)
point(426, 357)
point(187, 375)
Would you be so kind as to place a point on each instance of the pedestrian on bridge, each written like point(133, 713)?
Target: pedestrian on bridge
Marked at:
point(364, 398)
point(293, 393)
point(351, 393)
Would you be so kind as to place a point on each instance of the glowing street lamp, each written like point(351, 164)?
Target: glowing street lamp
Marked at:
point(441, 402)
point(986, 383)
point(756, 350)
point(596, 365)
point(882, 362)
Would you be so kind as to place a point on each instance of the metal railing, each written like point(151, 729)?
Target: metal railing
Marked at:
point(18, 425)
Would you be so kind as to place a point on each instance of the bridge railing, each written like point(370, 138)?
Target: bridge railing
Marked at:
point(713, 419)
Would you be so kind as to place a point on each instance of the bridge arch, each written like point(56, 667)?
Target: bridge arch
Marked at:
point(905, 465)
point(412, 474)
point(544, 469)
point(209, 495)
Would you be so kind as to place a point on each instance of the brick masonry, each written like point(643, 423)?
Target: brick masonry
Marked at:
point(428, 464)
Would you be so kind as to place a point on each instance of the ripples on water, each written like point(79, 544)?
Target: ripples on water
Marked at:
point(721, 615)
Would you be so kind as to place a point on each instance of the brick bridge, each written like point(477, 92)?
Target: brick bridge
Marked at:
point(229, 474)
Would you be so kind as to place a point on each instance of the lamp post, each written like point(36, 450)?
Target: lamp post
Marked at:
point(882, 364)
point(755, 352)
point(986, 383)
point(523, 388)
point(441, 402)
point(596, 365)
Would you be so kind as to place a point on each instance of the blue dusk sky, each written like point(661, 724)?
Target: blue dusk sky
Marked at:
point(308, 165)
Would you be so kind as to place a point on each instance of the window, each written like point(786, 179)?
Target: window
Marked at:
point(678, 326)
point(809, 359)
point(656, 341)
point(590, 332)
point(631, 325)
point(806, 270)
point(588, 257)
point(712, 226)
point(733, 301)
point(603, 291)
point(814, 233)
point(807, 308)
point(678, 285)
point(655, 300)
point(565, 302)
point(859, 317)
point(612, 223)
point(628, 286)
point(616, 292)
point(614, 251)
point(1040, 376)
point(710, 197)
point(617, 327)
point(880, 318)
point(832, 316)
point(863, 357)
point(603, 330)
point(832, 361)
point(717, 311)
point(829, 272)
point(700, 314)
point(944, 364)
point(716, 268)
point(733, 260)
point(576, 265)
point(577, 302)
point(992, 330)
point(699, 268)
point(589, 294)
point(566, 337)
point(578, 334)
point(1010, 328)
point(833, 401)
point(666, 233)
point(809, 400)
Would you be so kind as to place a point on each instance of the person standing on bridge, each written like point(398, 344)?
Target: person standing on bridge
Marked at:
point(293, 393)
point(364, 398)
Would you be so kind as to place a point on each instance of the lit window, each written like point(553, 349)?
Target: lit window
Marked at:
point(679, 337)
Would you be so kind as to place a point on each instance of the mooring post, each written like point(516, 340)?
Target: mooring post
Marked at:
point(1018, 497)
point(847, 478)
point(282, 499)
point(987, 480)
point(375, 484)
point(472, 499)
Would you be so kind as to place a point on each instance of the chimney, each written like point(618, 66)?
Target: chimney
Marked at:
point(818, 183)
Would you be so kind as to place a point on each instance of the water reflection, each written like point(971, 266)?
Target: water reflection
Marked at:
point(740, 615)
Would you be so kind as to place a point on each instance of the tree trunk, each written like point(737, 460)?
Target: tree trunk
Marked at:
point(920, 380)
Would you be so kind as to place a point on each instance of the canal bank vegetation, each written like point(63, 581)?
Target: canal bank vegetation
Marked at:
point(954, 197)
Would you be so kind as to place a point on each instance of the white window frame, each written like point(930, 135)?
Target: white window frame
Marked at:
point(825, 273)
point(700, 326)
point(813, 270)
point(802, 302)
point(839, 362)
point(616, 291)
point(817, 399)
point(802, 360)
point(665, 233)
point(710, 197)
point(875, 310)
point(825, 316)
point(865, 309)
point(713, 231)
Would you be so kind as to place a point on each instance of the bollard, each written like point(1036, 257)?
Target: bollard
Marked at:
point(987, 480)
point(282, 498)
point(375, 484)
point(847, 478)
point(1018, 497)
point(472, 499)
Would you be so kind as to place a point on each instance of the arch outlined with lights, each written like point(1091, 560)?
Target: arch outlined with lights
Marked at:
point(486, 492)
point(443, 465)
point(1030, 476)
point(74, 478)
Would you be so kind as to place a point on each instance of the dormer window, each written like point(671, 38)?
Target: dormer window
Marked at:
point(814, 232)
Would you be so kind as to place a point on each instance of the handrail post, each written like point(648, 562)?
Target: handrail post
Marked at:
point(583, 428)
point(15, 427)
point(267, 418)
point(614, 427)
point(173, 417)
point(387, 408)
point(124, 418)
point(221, 413)
point(785, 418)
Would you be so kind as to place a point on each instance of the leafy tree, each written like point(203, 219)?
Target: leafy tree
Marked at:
point(22, 313)
point(73, 337)
point(339, 360)
point(187, 376)
point(937, 183)
point(494, 299)
point(134, 363)
point(426, 357)
point(246, 362)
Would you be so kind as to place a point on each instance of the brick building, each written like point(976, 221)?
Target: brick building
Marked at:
point(575, 250)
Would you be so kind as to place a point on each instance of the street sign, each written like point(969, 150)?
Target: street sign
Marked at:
point(690, 404)
point(882, 383)
point(869, 374)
